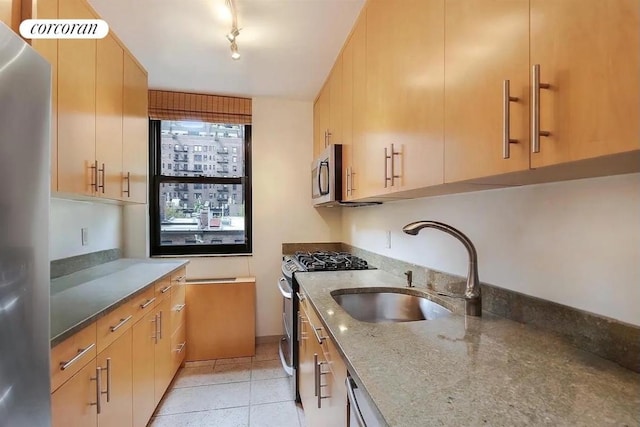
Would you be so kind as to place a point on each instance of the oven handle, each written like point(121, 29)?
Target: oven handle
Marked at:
point(353, 402)
point(288, 369)
point(284, 293)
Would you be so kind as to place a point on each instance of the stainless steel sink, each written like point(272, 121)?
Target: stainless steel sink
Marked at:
point(380, 306)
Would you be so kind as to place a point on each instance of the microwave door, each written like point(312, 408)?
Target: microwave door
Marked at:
point(323, 178)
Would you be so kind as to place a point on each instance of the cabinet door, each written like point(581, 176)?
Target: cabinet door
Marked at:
point(479, 57)
point(358, 47)
point(76, 106)
point(48, 48)
point(162, 350)
point(135, 126)
point(143, 369)
point(228, 310)
point(109, 71)
point(347, 118)
point(73, 404)
point(321, 115)
point(335, 102)
point(117, 411)
point(588, 53)
point(405, 90)
point(307, 347)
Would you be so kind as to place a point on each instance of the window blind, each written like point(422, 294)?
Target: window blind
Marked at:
point(169, 105)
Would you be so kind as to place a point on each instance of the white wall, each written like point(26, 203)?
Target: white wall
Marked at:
point(282, 210)
point(68, 217)
point(576, 243)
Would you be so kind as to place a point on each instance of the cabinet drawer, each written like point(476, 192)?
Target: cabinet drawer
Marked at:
point(163, 287)
point(71, 355)
point(143, 304)
point(178, 348)
point(179, 277)
point(114, 324)
point(178, 307)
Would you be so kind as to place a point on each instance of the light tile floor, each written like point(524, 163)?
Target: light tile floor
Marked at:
point(242, 392)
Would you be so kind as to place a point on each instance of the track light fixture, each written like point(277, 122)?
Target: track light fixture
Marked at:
point(234, 51)
point(235, 32)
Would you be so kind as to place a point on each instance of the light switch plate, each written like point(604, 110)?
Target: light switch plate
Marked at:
point(85, 236)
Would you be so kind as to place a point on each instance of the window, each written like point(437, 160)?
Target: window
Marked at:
point(184, 220)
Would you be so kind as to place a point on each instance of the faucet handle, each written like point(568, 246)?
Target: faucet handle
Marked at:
point(409, 275)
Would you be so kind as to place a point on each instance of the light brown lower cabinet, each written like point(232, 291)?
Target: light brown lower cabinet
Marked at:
point(223, 317)
point(73, 404)
point(134, 369)
point(322, 374)
point(116, 397)
point(162, 350)
point(144, 336)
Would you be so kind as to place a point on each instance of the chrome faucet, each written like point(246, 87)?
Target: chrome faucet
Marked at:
point(473, 300)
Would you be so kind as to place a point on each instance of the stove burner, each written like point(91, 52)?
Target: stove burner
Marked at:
point(322, 261)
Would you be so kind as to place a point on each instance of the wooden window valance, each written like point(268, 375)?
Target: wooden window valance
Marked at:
point(168, 105)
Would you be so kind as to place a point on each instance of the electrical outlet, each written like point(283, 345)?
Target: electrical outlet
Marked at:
point(388, 239)
point(85, 236)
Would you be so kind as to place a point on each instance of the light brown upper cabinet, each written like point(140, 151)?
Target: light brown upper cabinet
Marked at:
point(487, 44)
point(135, 127)
point(588, 52)
point(322, 119)
point(77, 167)
point(573, 73)
point(109, 75)
point(404, 96)
point(353, 103)
point(335, 103)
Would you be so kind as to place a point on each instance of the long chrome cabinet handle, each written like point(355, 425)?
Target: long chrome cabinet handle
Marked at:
point(393, 170)
point(94, 176)
point(181, 347)
point(148, 303)
point(301, 334)
point(507, 99)
point(386, 167)
point(352, 187)
point(160, 325)
point(180, 279)
point(318, 337)
point(155, 329)
point(316, 375)
point(180, 307)
point(122, 322)
point(101, 186)
point(348, 176)
point(536, 133)
point(81, 352)
point(301, 297)
point(108, 390)
point(98, 380)
point(128, 179)
point(320, 385)
point(348, 382)
point(165, 290)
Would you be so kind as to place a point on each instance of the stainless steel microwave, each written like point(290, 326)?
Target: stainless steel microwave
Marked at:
point(326, 177)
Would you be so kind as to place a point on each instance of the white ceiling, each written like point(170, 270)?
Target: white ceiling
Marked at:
point(288, 46)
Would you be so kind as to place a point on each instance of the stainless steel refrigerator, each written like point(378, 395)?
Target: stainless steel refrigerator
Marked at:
point(25, 123)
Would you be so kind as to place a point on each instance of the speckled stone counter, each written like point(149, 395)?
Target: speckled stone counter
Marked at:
point(466, 371)
point(80, 298)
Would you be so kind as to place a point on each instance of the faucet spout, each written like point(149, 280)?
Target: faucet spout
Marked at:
point(472, 292)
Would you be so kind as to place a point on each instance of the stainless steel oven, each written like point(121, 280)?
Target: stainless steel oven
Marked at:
point(288, 286)
point(326, 177)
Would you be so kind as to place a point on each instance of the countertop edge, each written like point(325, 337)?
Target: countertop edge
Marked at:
point(87, 321)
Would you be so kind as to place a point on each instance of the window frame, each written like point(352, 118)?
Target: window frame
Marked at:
point(156, 178)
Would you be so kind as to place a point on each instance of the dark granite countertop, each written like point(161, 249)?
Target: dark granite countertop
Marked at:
point(82, 297)
point(463, 371)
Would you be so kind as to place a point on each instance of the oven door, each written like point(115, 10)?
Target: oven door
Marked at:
point(286, 343)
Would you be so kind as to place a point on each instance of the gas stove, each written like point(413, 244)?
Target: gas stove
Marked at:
point(322, 261)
